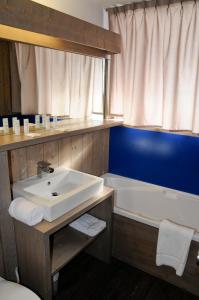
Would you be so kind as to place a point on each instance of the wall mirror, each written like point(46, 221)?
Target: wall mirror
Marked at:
point(36, 80)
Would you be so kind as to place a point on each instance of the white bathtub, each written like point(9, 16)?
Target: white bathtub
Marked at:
point(149, 204)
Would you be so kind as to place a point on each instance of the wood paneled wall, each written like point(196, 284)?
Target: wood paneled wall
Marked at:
point(8, 256)
point(10, 94)
point(135, 243)
point(5, 79)
point(86, 152)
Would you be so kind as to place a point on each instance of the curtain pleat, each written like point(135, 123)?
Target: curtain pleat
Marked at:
point(156, 83)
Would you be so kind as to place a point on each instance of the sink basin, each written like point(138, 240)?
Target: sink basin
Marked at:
point(59, 192)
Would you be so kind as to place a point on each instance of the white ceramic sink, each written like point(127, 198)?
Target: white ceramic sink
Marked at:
point(59, 192)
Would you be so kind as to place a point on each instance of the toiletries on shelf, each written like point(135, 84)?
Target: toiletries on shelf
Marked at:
point(37, 121)
point(17, 128)
point(5, 126)
point(26, 126)
point(14, 119)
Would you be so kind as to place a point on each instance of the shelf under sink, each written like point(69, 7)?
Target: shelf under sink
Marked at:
point(67, 243)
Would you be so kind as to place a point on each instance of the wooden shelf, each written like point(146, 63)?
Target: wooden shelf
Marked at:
point(48, 228)
point(73, 127)
point(67, 243)
point(44, 249)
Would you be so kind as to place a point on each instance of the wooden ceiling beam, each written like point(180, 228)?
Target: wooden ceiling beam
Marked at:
point(29, 22)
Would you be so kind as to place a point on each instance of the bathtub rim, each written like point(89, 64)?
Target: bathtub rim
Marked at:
point(141, 218)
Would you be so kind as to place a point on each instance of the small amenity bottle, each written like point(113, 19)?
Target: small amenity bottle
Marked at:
point(17, 127)
point(47, 125)
point(5, 126)
point(43, 121)
point(55, 122)
point(26, 126)
point(14, 119)
point(37, 121)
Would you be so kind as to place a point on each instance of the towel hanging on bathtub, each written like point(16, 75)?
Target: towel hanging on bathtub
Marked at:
point(173, 245)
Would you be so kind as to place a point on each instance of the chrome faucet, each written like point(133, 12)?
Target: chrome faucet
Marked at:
point(43, 167)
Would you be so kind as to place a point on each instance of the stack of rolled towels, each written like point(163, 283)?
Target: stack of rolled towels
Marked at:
point(26, 211)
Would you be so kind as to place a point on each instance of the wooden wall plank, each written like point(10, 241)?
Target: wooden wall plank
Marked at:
point(51, 151)
point(2, 268)
point(102, 247)
point(30, 16)
point(19, 164)
point(87, 153)
point(65, 152)
point(15, 80)
point(5, 79)
point(6, 222)
point(77, 148)
point(34, 155)
point(105, 151)
point(97, 153)
point(34, 259)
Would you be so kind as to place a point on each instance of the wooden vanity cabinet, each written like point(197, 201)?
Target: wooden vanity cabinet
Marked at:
point(47, 247)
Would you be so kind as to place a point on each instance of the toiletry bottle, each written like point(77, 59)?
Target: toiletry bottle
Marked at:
point(26, 126)
point(5, 126)
point(17, 127)
point(37, 121)
point(47, 125)
point(14, 119)
point(55, 122)
point(43, 121)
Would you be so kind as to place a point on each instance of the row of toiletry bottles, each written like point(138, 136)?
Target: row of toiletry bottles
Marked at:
point(16, 124)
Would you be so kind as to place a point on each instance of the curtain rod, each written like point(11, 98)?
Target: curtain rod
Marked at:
point(143, 4)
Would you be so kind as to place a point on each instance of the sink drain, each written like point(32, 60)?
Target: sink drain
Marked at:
point(54, 194)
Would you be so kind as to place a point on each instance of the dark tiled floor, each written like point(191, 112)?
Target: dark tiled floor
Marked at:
point(86, 278)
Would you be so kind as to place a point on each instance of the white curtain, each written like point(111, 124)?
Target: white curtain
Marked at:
point(156, 77)
point(27, 71)
point(60, 83)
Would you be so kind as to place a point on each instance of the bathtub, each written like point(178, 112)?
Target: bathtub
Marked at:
point(149, 204)
point(138, 210)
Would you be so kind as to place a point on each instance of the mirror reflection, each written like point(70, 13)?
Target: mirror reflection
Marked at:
point(35, 80)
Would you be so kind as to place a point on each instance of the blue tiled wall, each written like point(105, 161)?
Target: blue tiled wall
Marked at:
point(170, 160)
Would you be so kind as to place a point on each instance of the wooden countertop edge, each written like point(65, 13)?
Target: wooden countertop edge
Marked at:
point(53, 135)
point(50, 227)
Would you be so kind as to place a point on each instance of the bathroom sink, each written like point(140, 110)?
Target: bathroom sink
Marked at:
point(59, 192)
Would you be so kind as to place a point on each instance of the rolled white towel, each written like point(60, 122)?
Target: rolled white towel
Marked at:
point(26, 211)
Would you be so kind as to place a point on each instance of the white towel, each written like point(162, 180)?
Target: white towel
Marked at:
point(26, 211)
point(89, 225)
point(173, 245)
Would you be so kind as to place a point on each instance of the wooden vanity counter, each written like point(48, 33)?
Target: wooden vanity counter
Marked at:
point(72, 127)
point(46, 248)
point(83, 146)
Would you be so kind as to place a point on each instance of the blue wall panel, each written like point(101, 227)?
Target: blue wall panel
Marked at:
point(166, 159)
